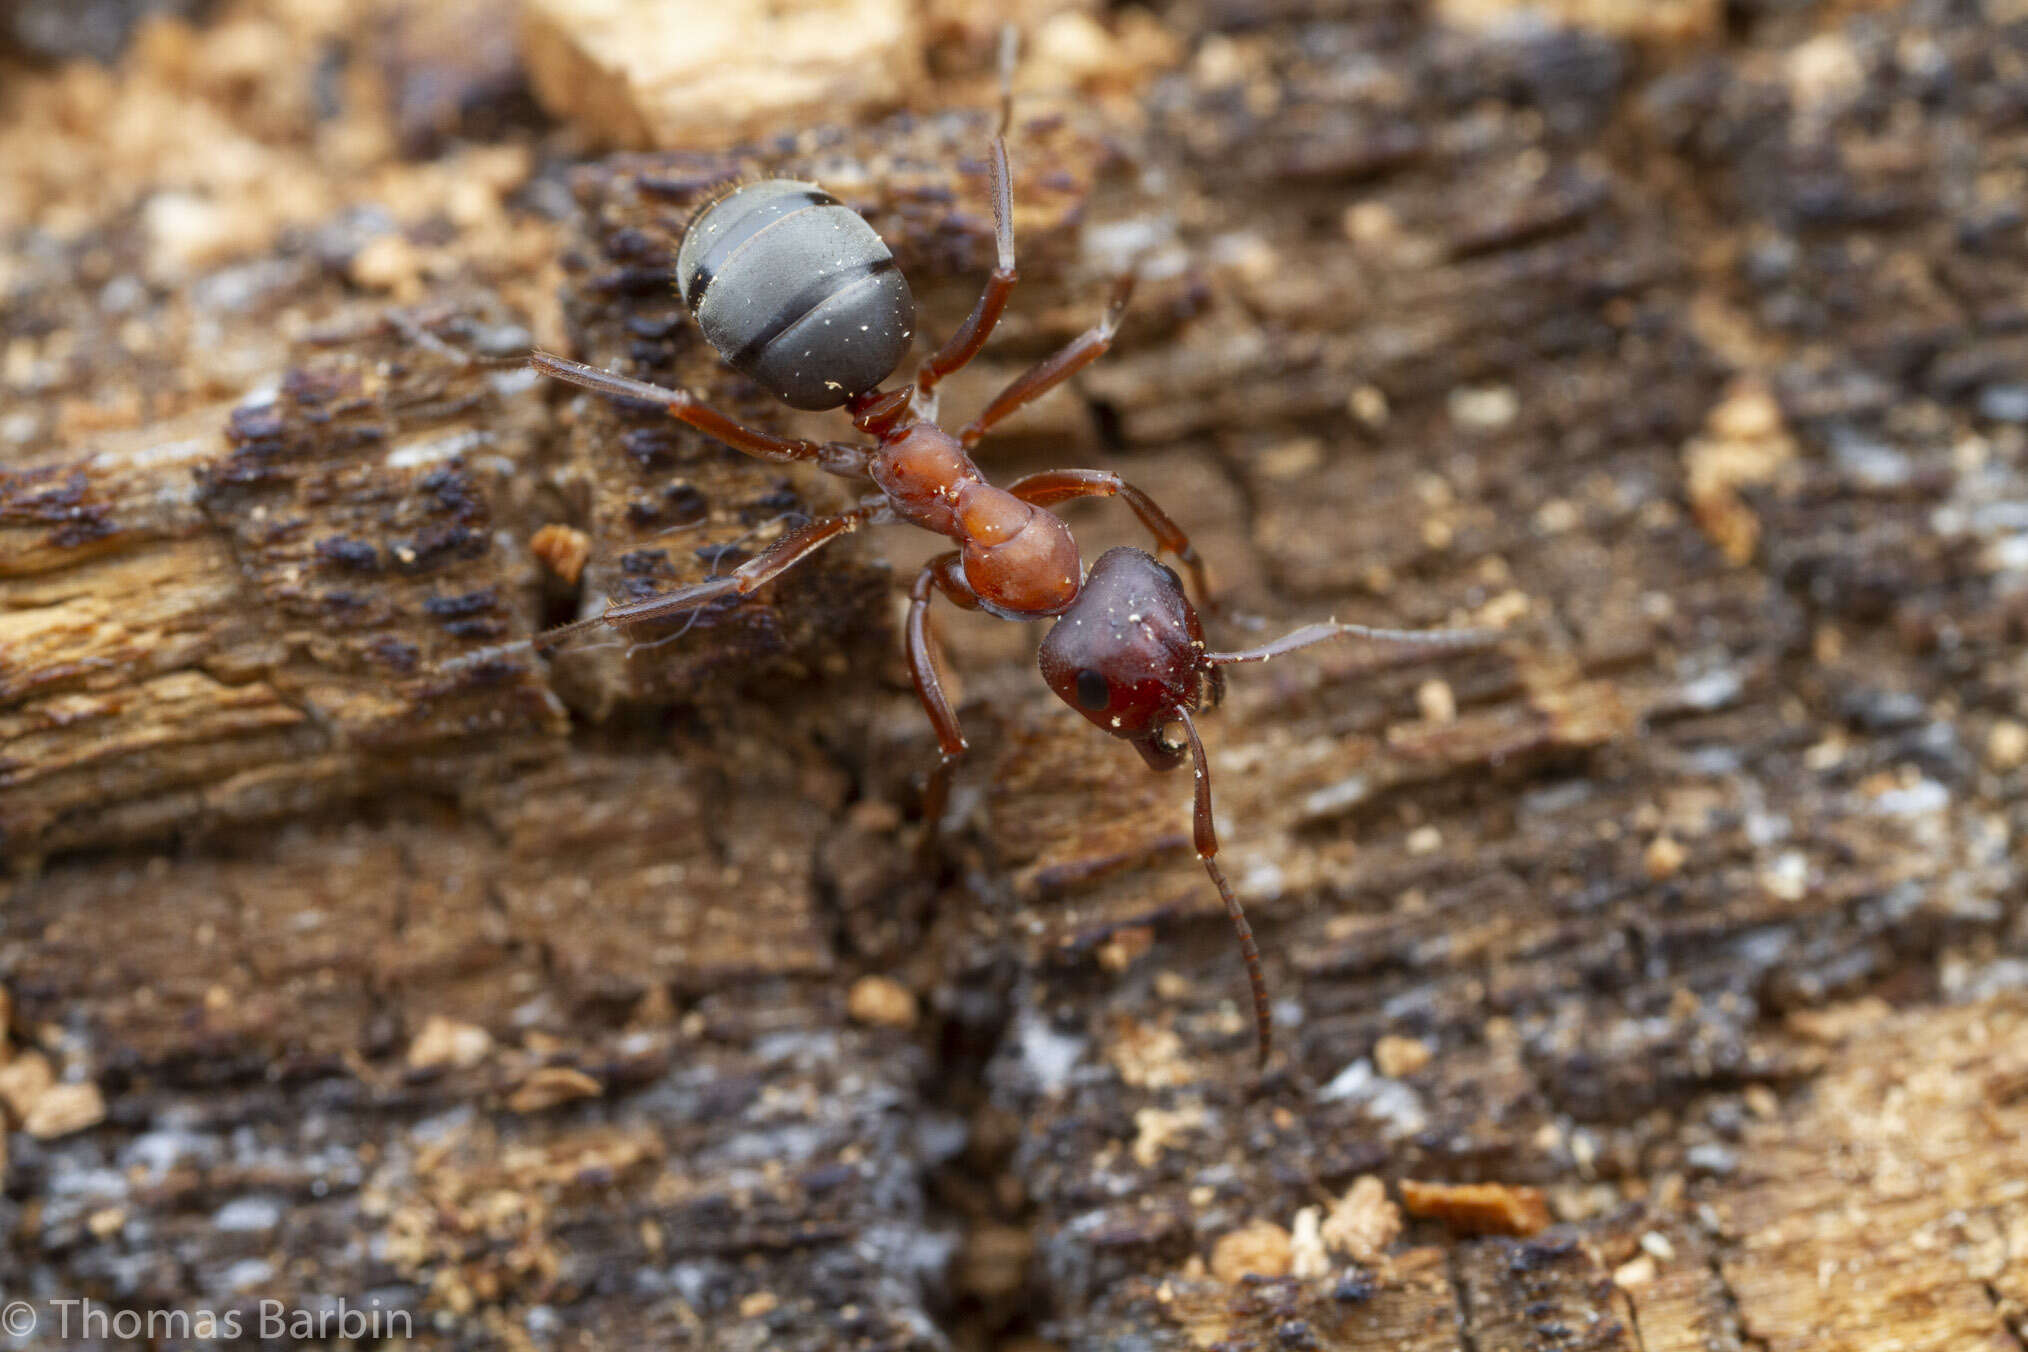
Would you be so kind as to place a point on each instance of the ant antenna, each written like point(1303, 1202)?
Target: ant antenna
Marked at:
point(1010, 45)
point(1317, 633)
point(1206, 838)
point(1003, 185)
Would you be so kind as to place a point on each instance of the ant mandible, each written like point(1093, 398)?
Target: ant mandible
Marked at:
point(798, 292)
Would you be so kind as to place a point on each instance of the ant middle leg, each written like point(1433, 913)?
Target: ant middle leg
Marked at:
point(1061, 485)
point(1052, 371)
point(764, 567)
point(941, 573)
point(971, 336)
point(835, 457)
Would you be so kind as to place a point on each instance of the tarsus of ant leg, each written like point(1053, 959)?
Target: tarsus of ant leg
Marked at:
point(1052, 371)
point(1206, 837)
point(1010, 49)
point(604, 382)
point(1317, 633)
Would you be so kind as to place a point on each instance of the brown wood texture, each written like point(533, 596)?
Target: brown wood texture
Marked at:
point(349, 950)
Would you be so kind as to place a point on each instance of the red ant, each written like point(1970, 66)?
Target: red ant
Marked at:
point(799, 292)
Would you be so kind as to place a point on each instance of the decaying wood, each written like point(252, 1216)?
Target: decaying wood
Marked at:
point(349, 949)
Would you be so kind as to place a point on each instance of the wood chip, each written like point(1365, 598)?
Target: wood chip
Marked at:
point(550, 1086)
point(63, 1109)
point(1260, 1249)
point(1364, 1223)
point(561, 549)
point(24, 1080)
point(881, 1002)
point(1395, 1056)
point(1478, 1208)
point(444, 1043)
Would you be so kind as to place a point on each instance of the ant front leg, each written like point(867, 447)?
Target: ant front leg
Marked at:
point(978, 326)
point(1052, 371)
point(939, 574)
point(837, 458)
point(764, 567)
point(1061, 485)
point(1205, 836)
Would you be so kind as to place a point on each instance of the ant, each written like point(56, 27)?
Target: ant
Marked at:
point(798, 292)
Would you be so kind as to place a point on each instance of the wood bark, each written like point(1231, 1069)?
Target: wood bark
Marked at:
point(351, 948)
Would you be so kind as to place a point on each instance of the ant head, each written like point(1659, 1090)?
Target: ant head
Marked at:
point(1129, 654)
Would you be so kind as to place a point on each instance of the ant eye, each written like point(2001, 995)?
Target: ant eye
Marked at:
point(1092, 691)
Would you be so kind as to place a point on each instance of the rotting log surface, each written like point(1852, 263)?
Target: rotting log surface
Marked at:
point(514, 993)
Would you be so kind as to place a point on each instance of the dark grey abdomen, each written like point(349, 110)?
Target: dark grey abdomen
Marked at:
point(796, 291)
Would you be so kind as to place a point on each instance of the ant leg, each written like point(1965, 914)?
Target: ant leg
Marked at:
point(939, 574)
point(1061, 485)
point(840, 459)
point(978, 327)
point(1206, 839)
point(1052, 371)
point(769, 564)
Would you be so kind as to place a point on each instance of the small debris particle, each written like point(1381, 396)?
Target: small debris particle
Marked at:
point(1836, 1022)
point(1295, 1333)
point(1634, 1273)
point(1395, 1056)
point(388, 263)
point(1074, 44)
point(1159, 1129)
point(1124, 947)
point(106, 1221)
point(1484, 409)
point(875, 816)
point(1260, 1249)
point(446, 1043)
point(24, 1080)
point(1557, 516)
point(550, 1086)
point(1657, 1246)
point(881, 1002)
point(1364, 1223)
point(64, 1108)
point(1438, 702)
point(1787, 878)
point(1149, 1057)
point(562, 549)
point(1744, 444)
point(1368, 405)
point(1712, 1158)
point(1425, 840)
point(1478, 1208)
point(756, 1304)
point(1292, 459)
point(1308, 1259)
point(1371, 224)
point(1663, 858)
point(2007, 745)
point(1355, 1287)
point(1762, 1102)
point(1502, 610)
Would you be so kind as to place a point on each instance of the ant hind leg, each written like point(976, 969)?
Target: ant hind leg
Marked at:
point(764, 567)
point(836, 458)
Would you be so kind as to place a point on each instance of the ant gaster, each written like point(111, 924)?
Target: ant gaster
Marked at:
point(798, 292)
